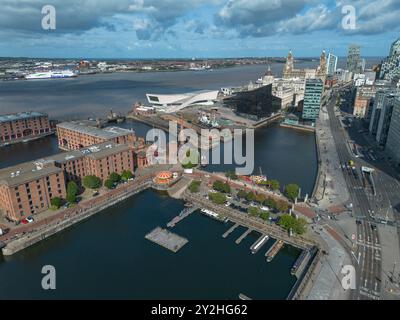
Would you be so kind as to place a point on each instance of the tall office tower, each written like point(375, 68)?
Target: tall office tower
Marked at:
point(385, 119)
point(331, 65)
point(393, 139)
point(390, 69)
point(312, 99)
point(377, 108)
point(354, 63)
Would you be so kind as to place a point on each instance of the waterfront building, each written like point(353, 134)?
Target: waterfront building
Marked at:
point(254, 104)
point(312, 99)
point(354, 63)
point(170, 103)
point(393, 138)
point(24, 125)
point(385, 119)
point(331, 64)
point(390, 69)
point(298, 86)
point(290, 72)
point(76, 135)
point(28, 188)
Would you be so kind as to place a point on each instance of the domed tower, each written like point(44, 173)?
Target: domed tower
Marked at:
point(268, 76)
point(289, 66)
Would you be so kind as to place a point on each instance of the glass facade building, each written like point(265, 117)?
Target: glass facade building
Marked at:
point(312, 99)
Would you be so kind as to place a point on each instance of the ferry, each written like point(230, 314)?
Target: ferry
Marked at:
point(213, 215)
point(259, 244)
point(273, 251)
point(51, 75)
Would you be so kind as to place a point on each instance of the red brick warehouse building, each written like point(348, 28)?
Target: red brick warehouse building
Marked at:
point(79, 134)
point(24, 125)
point(28, 188)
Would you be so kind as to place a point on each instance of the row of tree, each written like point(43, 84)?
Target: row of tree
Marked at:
point(90, 182)
point(278, 205)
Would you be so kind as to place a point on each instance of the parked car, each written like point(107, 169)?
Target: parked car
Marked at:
point(27, 220)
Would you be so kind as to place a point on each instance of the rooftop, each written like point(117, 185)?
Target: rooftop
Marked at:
point(106, 133)
point(21, 116)
point(30, 171)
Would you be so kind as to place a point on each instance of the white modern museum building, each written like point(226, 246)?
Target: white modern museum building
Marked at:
point(170, 103)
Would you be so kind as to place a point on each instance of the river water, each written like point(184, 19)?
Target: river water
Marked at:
point(108, 256)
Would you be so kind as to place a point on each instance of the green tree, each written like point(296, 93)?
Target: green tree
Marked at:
point(292, 191)
point(242, 194)
point(56, 202)
point(274, 184)
point(217, 197)
point(109, 184)
point(72, 191)
point(250, 196)
point(221, 186)
point(270, 203)
point(194, 187)
point(288, 222)
point(126, 175)
point(264, 215)
point(253, 211)
point(92, 182)
point(260, 198)
point(282, 206)
point(231, 175)
point(114, 177)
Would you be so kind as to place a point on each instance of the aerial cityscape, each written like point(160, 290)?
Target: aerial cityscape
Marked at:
point(143, 160)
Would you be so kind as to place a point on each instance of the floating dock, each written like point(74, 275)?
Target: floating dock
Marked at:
point(166, 239)
point(233, 228)
point(259, 243)
point(300, 263)
point(273, 251)
point(244, 235)
point(185, 213)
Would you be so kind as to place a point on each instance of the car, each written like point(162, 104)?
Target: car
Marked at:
point(30, 219)
point(358, 222)
point(374, 227)
point(95, 194)
point(27, 220)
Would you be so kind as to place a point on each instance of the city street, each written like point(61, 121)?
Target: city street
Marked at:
point(367, 248)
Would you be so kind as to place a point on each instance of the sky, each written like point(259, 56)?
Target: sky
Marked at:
point(197, 28)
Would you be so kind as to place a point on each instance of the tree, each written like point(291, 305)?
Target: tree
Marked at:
point(72, 191)
point(194, 187)
point(264, 215)
point(242, 194)
point(114, 177)
point(288, 222)
point(221, 186)
point(292, 191)
point(56, 203)
point(274, 184)
point(250, 196)
point(92, 182)
point(109, 184)
point(231, 175)
point(126, 175)
point(253, 211)
point(260, 198)
point(217, 198)
point(282, 206)
point(270, 203)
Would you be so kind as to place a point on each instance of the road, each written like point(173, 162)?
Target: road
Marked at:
point(367, 249)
